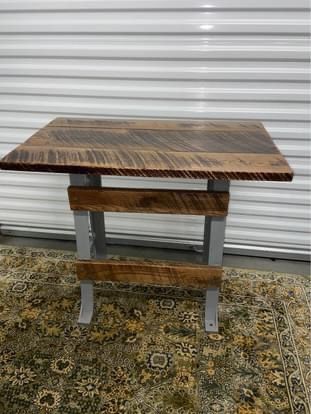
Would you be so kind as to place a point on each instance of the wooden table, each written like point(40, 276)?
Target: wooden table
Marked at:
point(88, 148)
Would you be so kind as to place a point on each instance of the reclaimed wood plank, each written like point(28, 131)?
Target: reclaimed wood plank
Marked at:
point(150, 272)
point(152, 148)
point(150, 164)
point(149, 201)
point(165, 141)
point(157, 124)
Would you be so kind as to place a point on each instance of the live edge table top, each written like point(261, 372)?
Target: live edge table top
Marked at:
point(216, 150)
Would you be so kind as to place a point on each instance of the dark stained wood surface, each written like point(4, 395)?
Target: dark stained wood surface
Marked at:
point(150, 272)
point(152, 148)
point(149, 201)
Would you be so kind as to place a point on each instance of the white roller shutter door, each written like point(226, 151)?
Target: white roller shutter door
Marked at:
point(163, 59)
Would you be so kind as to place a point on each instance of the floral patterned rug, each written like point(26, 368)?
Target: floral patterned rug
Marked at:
point(146, 351)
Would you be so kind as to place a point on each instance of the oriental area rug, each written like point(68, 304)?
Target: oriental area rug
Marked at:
point(146, 351)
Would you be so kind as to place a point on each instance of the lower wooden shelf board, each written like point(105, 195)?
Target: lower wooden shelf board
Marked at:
point(150, 272)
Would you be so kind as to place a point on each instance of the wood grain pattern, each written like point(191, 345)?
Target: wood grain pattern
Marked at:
point(155, 140)
point(155, 148)
point(152, 272)
point(148, 201)
point(156, 124)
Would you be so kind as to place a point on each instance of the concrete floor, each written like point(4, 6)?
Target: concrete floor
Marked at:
point(247, 262)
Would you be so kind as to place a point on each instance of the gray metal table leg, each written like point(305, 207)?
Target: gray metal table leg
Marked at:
point(87, 302)
point(213, 247)
point(211, 310)
point(98, 224)
point(85, 246)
